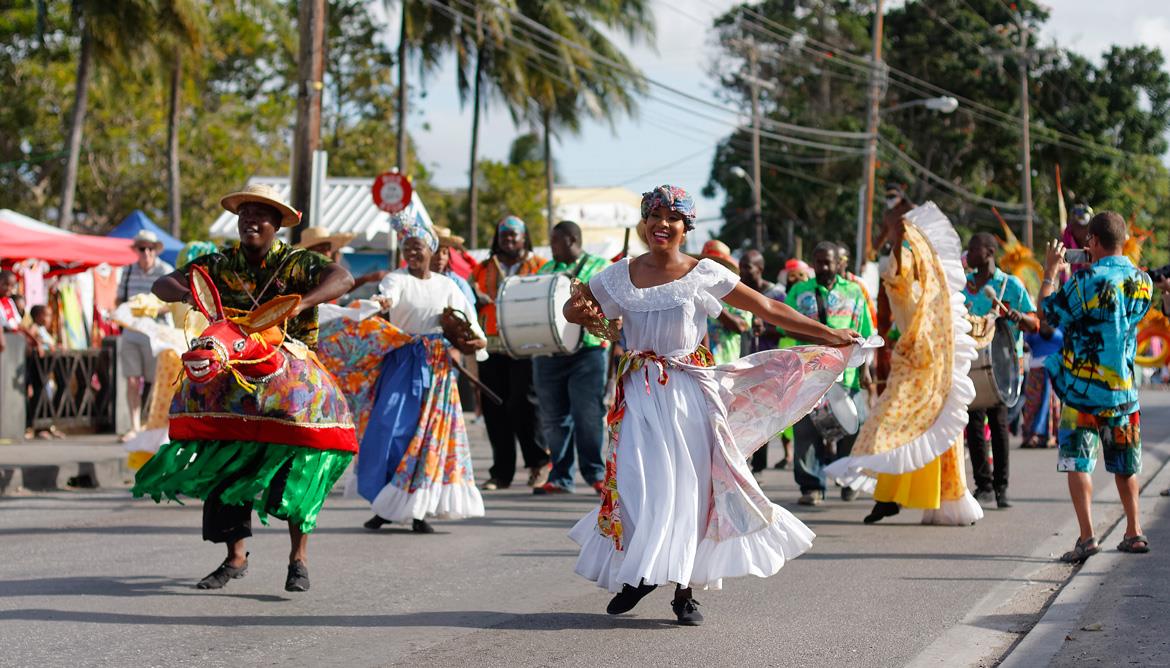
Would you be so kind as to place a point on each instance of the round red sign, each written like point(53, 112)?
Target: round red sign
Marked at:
point(392, 191)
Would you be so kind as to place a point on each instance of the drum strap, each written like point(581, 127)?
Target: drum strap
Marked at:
point(580, 265)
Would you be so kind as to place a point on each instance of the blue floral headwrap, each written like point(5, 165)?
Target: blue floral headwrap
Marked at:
point(410, 225)
point(512, 224)
point(671, 197)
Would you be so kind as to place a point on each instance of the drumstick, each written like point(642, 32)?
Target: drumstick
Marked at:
point(1000, 306)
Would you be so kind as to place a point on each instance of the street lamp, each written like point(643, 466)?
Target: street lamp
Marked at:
point(741, 173)
point(943, 105)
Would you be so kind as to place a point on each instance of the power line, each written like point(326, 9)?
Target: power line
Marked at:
point(945, 183)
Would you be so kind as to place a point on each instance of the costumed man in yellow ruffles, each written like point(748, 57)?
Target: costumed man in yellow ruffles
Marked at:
point(912, 441)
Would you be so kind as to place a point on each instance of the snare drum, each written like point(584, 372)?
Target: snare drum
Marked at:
point(529, 312)
point(996, 369)
point(836, 416)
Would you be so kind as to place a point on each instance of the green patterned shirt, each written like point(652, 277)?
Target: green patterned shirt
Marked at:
point(590, 266)
point(284, 271)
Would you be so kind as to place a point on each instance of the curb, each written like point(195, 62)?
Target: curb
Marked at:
point(19, 478)
point(1045, 639)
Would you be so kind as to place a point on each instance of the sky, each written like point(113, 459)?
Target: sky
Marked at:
point(668, 140)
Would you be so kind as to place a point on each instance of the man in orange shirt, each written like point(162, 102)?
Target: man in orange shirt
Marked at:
point(510, 378)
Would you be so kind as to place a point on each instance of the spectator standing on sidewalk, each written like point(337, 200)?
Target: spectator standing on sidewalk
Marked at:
point(571, 388)
point(11, 305)
point(1098, 309)
point(136, 359)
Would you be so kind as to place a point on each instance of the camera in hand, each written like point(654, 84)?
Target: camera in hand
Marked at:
point(1077, 256)
point(1159, 273)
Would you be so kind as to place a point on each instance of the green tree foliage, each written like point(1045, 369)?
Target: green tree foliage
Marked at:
point(1103, 123)
point(236, 121)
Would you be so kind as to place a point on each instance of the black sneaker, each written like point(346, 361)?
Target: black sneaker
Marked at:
point(298, 577)
point(219, 577)
point(375, 523)
point(882, 510)
point(421, 526)
point(627, 598)
point(1001, 499)
point(687, 611)
point(848, 494)
point(984, 497)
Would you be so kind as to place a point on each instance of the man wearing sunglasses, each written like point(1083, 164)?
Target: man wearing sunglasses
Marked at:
point(136, 360)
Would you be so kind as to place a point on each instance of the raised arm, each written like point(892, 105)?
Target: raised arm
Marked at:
point(335, 282)
point(787, 318)
point(173, 287)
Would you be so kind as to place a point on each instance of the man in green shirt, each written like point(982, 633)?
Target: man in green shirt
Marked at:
point(836, 302)
point(571, 388)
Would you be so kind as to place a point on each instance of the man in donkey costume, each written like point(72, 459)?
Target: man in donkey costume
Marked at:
point(257, 421)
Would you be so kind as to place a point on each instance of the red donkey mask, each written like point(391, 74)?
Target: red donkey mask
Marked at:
point(235, 344)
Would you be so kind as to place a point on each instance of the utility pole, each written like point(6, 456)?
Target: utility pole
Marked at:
point(310, 79)
point(757, 204)
point(1024, 56)
point(876, 75)
point(402, 97)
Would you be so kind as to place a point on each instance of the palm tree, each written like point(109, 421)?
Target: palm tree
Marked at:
point(110, 33)
point(497, 71)
point(182, 27)
point(574, 70)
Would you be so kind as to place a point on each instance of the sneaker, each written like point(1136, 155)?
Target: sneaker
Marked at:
point(421, 526)
point(627, 598)
point(375, 523)
point(298, 577)
point(882, 510)
point(599, 487)
point(848, 494)
point(813, 498)
point(984, 497)
point(1001, 499)
point(492, 485)
point(218, 578)
point(782, 464)
point(549, 488)
point(687, 611)
point(538, 475)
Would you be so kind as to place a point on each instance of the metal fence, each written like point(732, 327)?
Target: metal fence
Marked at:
point(75, 388)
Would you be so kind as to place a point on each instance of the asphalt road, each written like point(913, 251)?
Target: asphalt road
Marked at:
point(101, 579)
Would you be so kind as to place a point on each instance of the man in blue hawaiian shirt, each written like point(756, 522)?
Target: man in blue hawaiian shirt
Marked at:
point(1099, 309)
point(1013, 302)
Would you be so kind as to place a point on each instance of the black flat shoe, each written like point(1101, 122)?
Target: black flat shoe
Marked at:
point(1001, 500)
point(687, 611)
point(219, 577)
point(298, 577)
point(881, 510)
point(375, 523)
point(421, 526)
point(627, 598)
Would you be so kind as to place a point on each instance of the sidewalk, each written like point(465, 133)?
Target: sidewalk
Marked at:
point(83, 460)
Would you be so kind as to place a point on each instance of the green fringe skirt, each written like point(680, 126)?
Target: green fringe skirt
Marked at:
point(287, 481)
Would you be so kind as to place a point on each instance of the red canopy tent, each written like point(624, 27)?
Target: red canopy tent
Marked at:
point(66, 252)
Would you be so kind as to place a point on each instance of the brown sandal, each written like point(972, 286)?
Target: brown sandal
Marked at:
point(1131, 544)
point(1081, 551)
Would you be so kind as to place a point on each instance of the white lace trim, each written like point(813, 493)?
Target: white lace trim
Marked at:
point(707, 282)
point(952, 417)
point(961, 512)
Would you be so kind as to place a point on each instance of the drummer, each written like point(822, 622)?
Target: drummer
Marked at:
point(1013, 302)
point(840, 303)
point(571, 388)
point(508, 377)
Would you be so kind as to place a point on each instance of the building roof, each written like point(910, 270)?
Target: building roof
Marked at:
point(347, 206)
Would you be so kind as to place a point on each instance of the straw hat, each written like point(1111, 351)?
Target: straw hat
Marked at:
point(446, 239)
point(146, 237)
point(258, 192)
point(320, 235)
point(718, 251)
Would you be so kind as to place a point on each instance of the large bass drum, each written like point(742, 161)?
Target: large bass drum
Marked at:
point(837, 416)
point(529, 312)
point(996, 369)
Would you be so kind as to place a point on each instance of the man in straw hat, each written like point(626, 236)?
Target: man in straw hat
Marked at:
point(441, 260)
point(259, 269)
point(135, 358)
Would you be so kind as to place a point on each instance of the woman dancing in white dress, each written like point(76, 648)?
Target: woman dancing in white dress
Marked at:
point(680, 504)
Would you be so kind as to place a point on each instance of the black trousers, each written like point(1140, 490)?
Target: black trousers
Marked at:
point(515, 420)
point(997, 419)
point(224, 523)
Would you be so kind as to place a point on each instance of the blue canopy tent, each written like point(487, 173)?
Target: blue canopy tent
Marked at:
point(138, 221)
